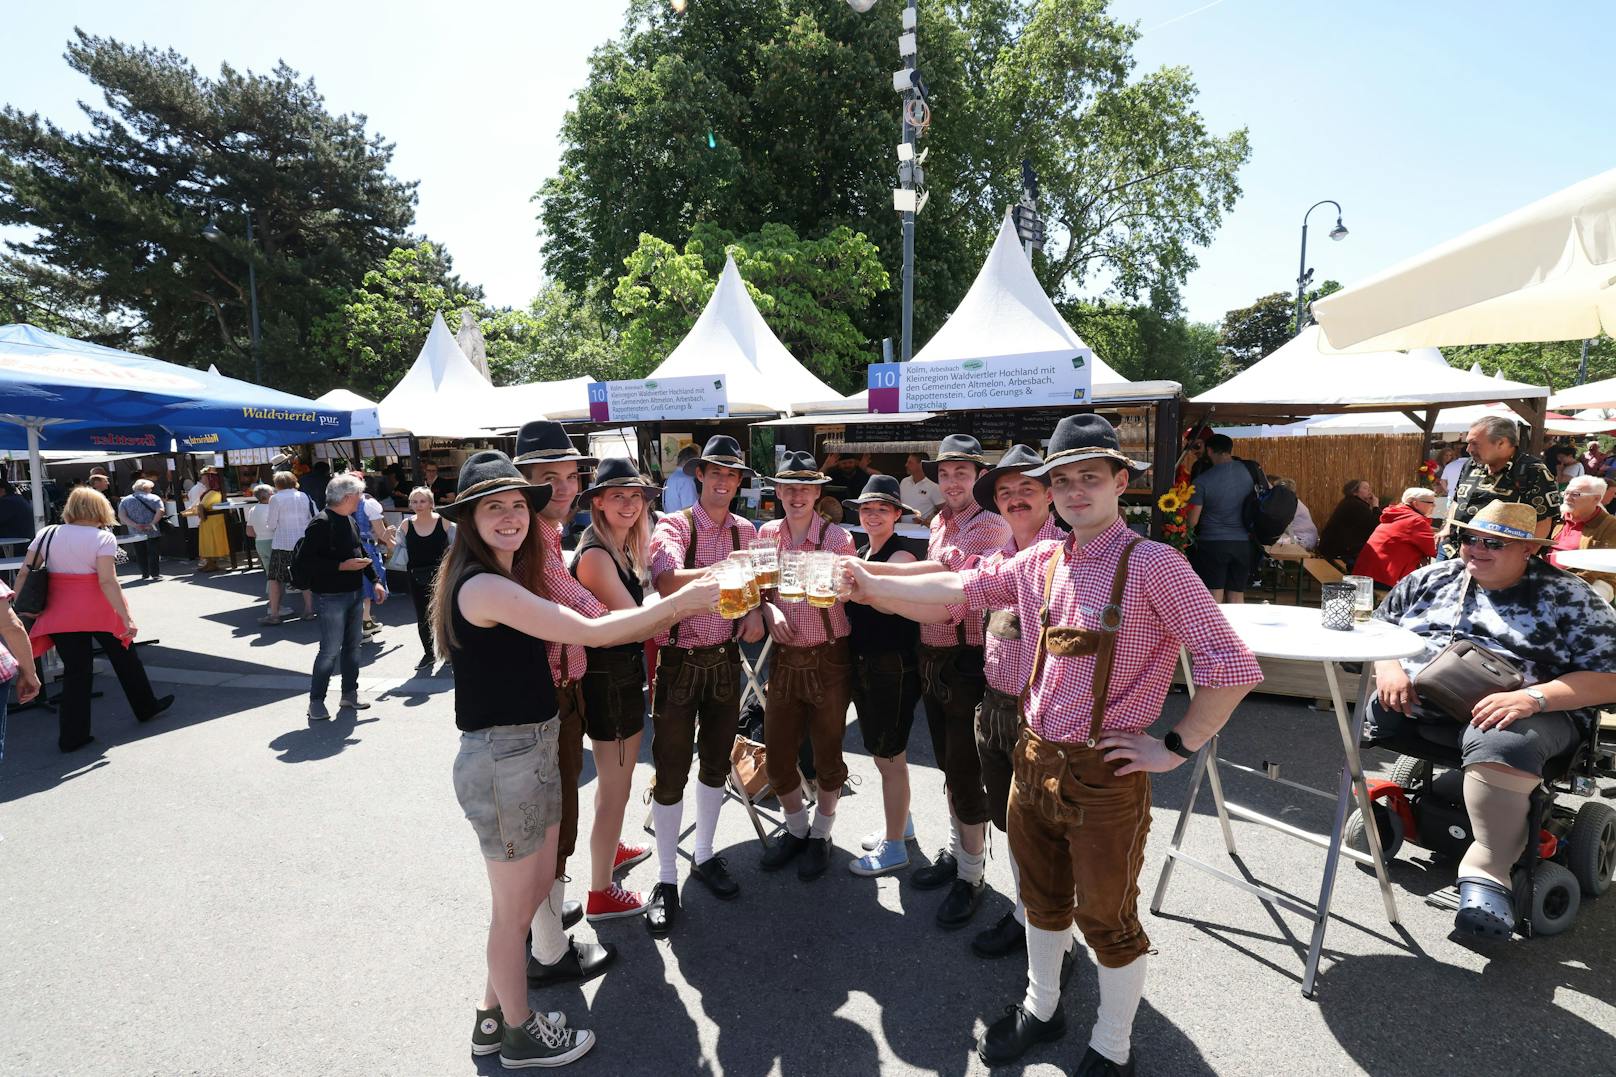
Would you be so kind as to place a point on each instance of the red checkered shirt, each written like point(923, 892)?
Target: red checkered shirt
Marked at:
point(563, 590)
point(1008, 662)
point(807, 626)
point(959, 541)
point(1164, 607)
point(668, 545)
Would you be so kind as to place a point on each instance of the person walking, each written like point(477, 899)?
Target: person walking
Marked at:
point(338, 570)
point(426, 536)
point(290, 511)
point(140, 511)
point(85, 608)
point(489, 620)
point(613, 561)
point(1222, 554)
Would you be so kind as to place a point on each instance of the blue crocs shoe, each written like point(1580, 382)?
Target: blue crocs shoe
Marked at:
point(1486, 909)
point(886, 857)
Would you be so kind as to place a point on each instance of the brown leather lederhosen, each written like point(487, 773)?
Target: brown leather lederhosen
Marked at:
point(809, 689)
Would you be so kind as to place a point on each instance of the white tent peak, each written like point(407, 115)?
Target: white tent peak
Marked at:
point(442, 394)
point(731, 338)
point(1007, 313)
point(344, 400)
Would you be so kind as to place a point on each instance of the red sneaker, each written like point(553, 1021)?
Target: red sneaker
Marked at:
point(612, 903)
point(629, 855)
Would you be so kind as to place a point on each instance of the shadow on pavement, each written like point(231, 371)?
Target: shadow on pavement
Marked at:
point(320, 740)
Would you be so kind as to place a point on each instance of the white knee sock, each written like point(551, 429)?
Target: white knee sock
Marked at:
point(1120, 992)
point(668, 820)
point(1498, 803)
point(708, 800)
point(822, 824)
point(1044, 952)
point(955, 846)
point(549, 941)
point(1015, 875)
point(971, 865)
point(797, 822)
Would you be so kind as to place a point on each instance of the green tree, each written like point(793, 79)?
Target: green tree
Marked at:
point(1553, 363)
point(120, 207)
point(54, 301)
point(375, 332)
point(1144, 344)
point(745, 112)
point(558, 336)
point(1250, 333)
point(808, 291)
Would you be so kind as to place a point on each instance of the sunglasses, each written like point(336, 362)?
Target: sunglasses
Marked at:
point(1485, 543)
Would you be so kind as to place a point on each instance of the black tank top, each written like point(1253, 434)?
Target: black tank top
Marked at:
point(485, 661)
point(876, 631)
point(425, 551)
point(591, 540)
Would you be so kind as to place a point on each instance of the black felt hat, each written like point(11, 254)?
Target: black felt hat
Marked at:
point(881, 489)
point(725, 451)
point(800, 468)
point(1020, 458)
point(955, 447)
point(619, 473)
point(545, 442)
point(491, 472)
point(1085, 437)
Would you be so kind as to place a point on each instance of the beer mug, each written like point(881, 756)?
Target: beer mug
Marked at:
point(791, 587)
point(733, 581)
point(766, 563)
point(821, 583)
point(754, 597)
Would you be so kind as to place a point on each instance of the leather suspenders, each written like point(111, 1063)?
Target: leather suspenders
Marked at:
point(690, 563)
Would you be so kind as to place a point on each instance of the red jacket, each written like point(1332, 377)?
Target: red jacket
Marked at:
point(1403, 539)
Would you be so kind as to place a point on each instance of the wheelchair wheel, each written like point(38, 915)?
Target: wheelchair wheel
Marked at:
point(1591, 847)
point(1409, 771)
point(1391, 832)
point(1556, 896)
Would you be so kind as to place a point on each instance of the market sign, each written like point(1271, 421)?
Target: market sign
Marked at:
point(704, 396)
point(974, 384)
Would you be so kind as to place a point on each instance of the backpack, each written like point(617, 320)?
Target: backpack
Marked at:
point(302, 576)
point(1268, 509)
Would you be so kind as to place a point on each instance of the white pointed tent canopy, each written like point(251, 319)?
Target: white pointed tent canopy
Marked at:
point(442, 395)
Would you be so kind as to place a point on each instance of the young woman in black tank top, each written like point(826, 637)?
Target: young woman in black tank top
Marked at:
point(613, 555)
point(488, 617)
point(426, 537)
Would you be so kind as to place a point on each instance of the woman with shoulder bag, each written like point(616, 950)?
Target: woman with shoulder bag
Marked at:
point(84, 607)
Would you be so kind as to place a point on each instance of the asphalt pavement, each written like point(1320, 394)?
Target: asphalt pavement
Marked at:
point(230, 890)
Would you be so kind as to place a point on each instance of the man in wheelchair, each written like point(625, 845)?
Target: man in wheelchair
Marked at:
point(1548, 624)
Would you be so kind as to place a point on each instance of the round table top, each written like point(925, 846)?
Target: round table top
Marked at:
point(1298, 632)
point(1588, 560)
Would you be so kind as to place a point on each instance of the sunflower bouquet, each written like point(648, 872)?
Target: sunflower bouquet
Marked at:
point(1175, 531)
point(1429, 470)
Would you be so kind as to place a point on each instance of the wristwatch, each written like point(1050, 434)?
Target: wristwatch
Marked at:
point(1539, 698)
point(1175, 744)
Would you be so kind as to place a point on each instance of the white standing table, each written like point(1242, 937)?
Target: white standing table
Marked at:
point(1588, 560)
point(1297, 633)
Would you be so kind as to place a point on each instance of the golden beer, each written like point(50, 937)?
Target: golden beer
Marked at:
point(1362, 614)
point(791, 591)
point(754, 597)
point(732, 603)
point(768, 578)
point(821, 599)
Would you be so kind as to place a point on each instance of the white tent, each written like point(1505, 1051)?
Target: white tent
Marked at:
point(1306, 376)
point(1596, 394)
point(1006, 314)
point(731, 338)
point(344, 400)
point(442, 395)
point(517, 404)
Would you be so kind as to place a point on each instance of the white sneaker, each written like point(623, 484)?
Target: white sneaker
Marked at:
point(876, 837)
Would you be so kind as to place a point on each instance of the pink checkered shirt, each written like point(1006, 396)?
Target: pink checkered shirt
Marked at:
point(1008, 662)
point(669, 542)
point(1164, 606)
point(563, 590)
point(807, 626)
point(959, 541)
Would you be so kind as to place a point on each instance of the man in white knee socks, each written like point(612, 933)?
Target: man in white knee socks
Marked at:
point(1118, 611)
point(695, 705)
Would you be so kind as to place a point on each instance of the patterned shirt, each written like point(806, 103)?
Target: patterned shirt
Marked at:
point(1525, 481)
point(669, 544)
point(959, 540)
point(1008, 662)
point(563, 590)
point(1164, 607)
point(807, 626)
point(1550, 622)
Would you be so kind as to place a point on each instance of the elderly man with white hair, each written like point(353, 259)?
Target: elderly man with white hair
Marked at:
point(336, 565)
point(1402, 541)
point(1585, 524)
point(140, 512)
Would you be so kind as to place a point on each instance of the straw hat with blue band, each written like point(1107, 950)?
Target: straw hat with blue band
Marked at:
point(1506, 520)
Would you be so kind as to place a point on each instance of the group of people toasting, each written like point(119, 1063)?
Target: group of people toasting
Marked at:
point(1041, 656)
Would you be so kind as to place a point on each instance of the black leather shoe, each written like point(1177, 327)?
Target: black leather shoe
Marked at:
point(582, 961)
point(1095, 1064)
point(715, 874)
point(786, 848)
point(961, 903)
point(571, 912)
point(663, 909)
point(74, 745)
point(1016, 1033)
point(939, 873)
point(158, 707)
point(1002, 939)
point(815, 859)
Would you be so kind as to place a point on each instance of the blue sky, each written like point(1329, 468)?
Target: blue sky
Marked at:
point(1422, 119)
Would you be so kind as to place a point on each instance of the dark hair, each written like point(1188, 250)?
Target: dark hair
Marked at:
point(1352, 487)
point(469, 554)
point(1220, 444)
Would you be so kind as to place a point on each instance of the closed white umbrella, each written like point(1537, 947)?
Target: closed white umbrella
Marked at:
point(1543, 272)
point(1596, 394)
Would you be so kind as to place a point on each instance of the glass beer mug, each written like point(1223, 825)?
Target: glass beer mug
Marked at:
point(754, 597)
point(765, 563)
point(821, 580)
point(791, 576)
point(733, 581)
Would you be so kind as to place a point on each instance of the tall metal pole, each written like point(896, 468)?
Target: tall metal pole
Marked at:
point(908, 182)
point(1582, 364)
point(252, 295)
point(1301, 270)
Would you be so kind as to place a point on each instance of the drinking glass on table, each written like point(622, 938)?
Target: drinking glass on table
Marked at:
point(1363, 602)
point(792, 570)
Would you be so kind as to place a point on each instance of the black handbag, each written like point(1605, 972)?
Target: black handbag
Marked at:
point(30, 601)
point(1465, 672)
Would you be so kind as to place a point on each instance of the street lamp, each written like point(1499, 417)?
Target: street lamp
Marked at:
point(214, 234)
point(1303, 275)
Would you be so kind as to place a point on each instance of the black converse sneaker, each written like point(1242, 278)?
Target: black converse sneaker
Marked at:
point(539, 1042)
point(490, 1028)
